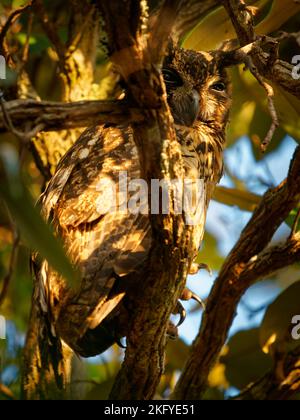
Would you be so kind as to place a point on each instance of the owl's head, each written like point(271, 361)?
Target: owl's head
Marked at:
point(198, 87)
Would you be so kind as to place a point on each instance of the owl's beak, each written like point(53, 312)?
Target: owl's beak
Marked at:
point(186, 110)
point(195, 106)
point(192, 108)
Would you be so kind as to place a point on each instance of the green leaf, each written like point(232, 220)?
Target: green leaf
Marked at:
point(250, 115)
point(18, 3)
point(209, 253)
point(290, 221)
point(275, 330)
point(37, 234)
point(260, 124)
point(211, 32)
point(22, 38)
point(280, 13)
point(288, 109)
point(245, 362)
point(245, 200)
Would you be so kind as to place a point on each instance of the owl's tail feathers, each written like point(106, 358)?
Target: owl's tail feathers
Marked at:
point(88, 321)
point(90, 328)
point(98, 340)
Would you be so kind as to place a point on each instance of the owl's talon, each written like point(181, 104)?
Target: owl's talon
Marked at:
point(195, 268)
point(182, 312)
point(199, 300)
point(187, 294)
point(206, 267)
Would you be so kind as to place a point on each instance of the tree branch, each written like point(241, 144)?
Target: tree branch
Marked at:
point(271, 387)
point(242, 20)
point(272, 260)
point(9, 22)
point(56, 116)
point(277, 71)
point(160, 158)
point(245, 264)
point(50, 29)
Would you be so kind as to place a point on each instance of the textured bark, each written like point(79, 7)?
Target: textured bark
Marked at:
point(47, 362)
point(268, 64)
point(160, 159)
point(76, 61)
point(56, 116)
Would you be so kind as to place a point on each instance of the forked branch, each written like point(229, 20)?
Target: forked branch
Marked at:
point(248, 262)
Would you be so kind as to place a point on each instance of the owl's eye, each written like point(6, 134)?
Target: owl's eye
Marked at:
point(219, 86)
point(172, 78)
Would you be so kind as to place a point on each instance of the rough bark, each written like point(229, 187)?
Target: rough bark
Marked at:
point(76, 61)
point(46, 361)
point(160, 159)
point(268, 64)
point(56, 116)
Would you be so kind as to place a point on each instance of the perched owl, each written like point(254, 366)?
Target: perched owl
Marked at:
point(111, 247)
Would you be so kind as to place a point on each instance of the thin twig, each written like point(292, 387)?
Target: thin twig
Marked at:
point(79, 35)
point(25, 52)
point(242, 55)
point(286, 35)
point(23, 136)
point(50, 29)
point(9, 22)
point(241, 17)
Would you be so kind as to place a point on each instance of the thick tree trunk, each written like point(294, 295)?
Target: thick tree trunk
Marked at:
point(47, 361)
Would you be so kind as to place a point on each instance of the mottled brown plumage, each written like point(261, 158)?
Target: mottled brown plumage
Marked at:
point(111, 249)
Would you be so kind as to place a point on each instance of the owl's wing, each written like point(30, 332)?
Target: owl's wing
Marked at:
point(50, 197)
point(101, 237)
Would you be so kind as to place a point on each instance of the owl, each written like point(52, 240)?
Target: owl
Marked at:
point(109, 245)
